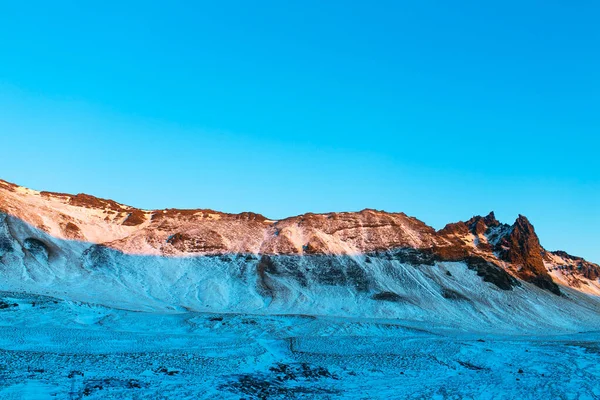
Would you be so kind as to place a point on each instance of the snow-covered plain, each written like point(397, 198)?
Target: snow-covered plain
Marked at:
point(51, 348)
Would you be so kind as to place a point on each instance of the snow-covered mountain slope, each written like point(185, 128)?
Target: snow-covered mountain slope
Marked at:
point(474, 275)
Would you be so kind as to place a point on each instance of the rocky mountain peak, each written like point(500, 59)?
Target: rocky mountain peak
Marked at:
point(477, 225)
point(522, 248)
point(523, 224)
point(490, 219)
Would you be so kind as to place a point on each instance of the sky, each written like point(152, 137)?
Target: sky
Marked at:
point(439, 109)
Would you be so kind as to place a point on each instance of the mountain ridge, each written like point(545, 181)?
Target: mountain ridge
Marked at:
point(497, 251)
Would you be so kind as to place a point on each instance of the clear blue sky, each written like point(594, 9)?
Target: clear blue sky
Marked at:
point(433, 108)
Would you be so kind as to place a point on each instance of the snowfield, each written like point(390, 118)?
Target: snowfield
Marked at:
point(53, 349)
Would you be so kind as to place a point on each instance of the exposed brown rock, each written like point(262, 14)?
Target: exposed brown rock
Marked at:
point(8, 186)
point(85, 200)
point(250, 216)
point(522, 248)
point(578, 265)
point(281, 244)
point(170, 213)
point(477, 225)
point(315, 246)
point(451, 253)
point(485, 247)
point(455, 228)
point(202, 242)
point(72, 231)
point(480, 225)
point(134, 218)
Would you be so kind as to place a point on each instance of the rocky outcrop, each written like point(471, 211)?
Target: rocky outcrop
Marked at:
point(573, 264)
point(8, 186)
point(206, 241)
point(521, 247)
point(72, 231)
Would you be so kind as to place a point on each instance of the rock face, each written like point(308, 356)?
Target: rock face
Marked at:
point(499, 253)
point(577, 265)
point(522, 248)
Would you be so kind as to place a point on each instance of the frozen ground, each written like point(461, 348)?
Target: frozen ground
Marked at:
point(56, 349)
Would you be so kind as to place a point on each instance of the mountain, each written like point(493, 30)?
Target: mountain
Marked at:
point(473, 274)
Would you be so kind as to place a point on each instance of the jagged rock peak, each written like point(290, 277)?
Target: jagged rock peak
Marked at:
point(523, 223)
point(522, 248)
point(490, 219)
point(478, 225)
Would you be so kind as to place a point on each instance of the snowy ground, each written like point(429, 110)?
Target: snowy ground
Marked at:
point(50, 348)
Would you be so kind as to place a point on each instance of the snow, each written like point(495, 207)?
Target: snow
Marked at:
point(50, 211)
point(52, 348)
